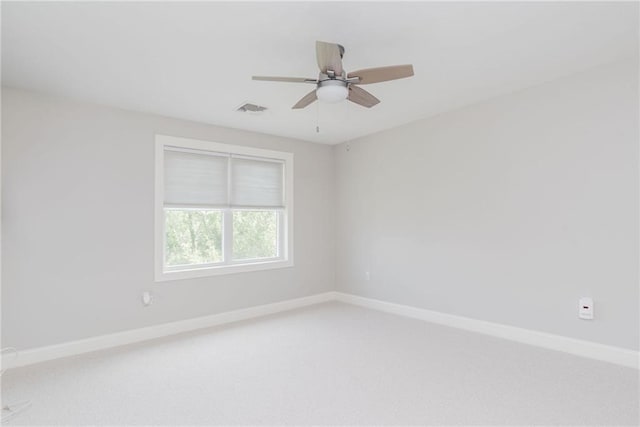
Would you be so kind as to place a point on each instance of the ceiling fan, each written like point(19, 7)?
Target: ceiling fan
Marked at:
point(334, 84)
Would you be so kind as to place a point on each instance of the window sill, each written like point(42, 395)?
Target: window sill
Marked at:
point(166, 276)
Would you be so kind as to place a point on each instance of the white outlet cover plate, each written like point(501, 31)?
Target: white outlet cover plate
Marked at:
point(585, 308)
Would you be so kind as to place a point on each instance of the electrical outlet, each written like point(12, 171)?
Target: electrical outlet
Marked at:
point(585, 308)
point(147, 298)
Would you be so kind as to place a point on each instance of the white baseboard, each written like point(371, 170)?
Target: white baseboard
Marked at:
point(617, 355)
point(592, 350)
point(41, 354)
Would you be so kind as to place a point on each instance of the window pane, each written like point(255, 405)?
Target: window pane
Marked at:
point(193, 237)
point(255, 234)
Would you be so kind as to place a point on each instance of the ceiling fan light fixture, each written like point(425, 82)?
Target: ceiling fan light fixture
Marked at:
point(332, 91)
point(334, 84)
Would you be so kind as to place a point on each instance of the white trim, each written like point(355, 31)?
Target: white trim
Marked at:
point(222, 269)
point(158, 212)
point(42, 354)
point(285, 238)
point(589, 349)
point(199, 144)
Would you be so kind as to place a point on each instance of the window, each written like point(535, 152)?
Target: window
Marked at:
point(221, 208)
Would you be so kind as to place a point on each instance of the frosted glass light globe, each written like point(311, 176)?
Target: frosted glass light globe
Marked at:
point(332, 91)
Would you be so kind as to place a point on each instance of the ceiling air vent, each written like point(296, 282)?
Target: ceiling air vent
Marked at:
point(247, 107)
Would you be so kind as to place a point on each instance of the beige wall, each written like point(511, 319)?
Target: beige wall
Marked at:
point(78, 186)
point(506, 211)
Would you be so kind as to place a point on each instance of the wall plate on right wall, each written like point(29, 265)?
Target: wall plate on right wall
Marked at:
point(585, 308)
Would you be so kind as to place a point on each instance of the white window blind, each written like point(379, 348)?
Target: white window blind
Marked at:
point(202, 179)
point(192, 178)
point(257, 183)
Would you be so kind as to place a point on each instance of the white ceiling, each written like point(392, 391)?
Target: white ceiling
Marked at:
point(195, 60)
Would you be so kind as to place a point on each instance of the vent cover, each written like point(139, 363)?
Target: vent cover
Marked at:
point(247, 107)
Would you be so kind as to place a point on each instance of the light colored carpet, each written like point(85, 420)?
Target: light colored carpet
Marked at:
point(327, 364)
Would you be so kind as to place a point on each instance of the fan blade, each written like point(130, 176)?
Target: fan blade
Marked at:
point(362, 97)
point(306, 100)
point(329, 57)
point(382, 74)
point(285, 79)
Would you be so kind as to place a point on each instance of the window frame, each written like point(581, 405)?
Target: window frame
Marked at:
point(162, 273)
